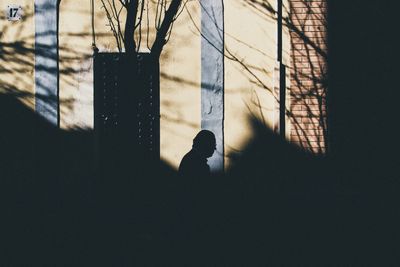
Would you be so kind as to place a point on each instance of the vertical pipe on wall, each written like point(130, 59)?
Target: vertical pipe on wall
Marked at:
point(280, 30)
point(46, 60)
point(212, 76)
point(282, 100)
point(280, 70)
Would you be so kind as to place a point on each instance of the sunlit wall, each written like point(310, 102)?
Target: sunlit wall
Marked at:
point(250, 69)
point(17, 39)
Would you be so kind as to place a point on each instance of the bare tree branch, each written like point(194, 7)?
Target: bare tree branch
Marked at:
point(160, 40)
point(112, 26)
point(139, 24)
point(130, 44)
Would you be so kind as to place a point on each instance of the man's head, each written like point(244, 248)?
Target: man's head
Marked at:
point(205, 143)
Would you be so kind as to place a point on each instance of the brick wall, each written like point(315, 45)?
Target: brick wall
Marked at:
point(308, 74)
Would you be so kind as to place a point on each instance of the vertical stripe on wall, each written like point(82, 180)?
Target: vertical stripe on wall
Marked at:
point(280, 77)
point(46, 60)
point(212, 76)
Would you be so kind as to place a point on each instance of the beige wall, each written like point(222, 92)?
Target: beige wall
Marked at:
point(249, 67)
point(76, 81)
point(251, 50)
point(180, 87)
point(17, 40)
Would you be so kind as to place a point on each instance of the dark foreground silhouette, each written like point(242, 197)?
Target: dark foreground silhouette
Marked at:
point(277, 205)
point(194, 163)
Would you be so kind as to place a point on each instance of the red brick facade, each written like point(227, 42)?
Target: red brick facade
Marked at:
point(308, 74)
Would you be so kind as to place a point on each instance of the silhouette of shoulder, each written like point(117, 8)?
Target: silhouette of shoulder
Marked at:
point(193, 164)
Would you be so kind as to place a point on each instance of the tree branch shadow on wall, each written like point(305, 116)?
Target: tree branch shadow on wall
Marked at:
point(17, 55)
point(308, 70)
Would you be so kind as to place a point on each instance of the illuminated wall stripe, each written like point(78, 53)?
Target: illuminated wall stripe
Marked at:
point(212, 76)
point(46, 60)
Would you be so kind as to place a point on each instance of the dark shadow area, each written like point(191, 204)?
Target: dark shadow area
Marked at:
point(44, 186)
point(58, 210)
point(56, 207)
point(363, 67)
point(363, 71)
point(278, 205)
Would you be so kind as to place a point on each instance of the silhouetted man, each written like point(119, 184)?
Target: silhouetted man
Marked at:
point(194, 163)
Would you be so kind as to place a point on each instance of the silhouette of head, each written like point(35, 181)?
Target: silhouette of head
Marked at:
point(205, 143)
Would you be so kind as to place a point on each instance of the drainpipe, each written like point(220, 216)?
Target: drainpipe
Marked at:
point(280, 74)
